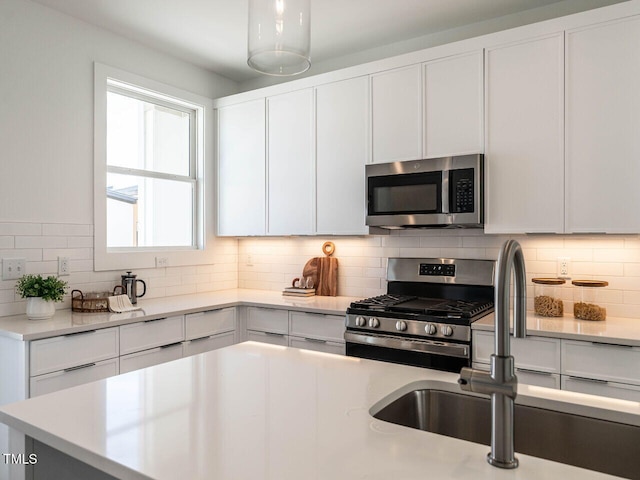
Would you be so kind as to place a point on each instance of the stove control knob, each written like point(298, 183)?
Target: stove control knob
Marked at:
point(360, 322)
point(401, 326)
point(374, 322)
point(430, 329)
point(447, 331)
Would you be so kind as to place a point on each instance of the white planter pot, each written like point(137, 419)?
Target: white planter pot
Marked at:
point(39, 309)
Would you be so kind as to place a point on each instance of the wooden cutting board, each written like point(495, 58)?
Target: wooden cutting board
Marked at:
point(324, 271)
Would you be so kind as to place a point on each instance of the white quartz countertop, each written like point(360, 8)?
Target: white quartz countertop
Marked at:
point(258, 411)
point(623, 331)
point(65, 321)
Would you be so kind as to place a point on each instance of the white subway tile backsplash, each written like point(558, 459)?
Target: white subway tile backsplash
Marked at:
point(65, 229)
point(80, 242)
point(75, 253)
point(20, 228)
point(41, 242)
point(6, 242)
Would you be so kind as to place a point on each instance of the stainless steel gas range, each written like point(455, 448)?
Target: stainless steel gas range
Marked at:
point(425, 318)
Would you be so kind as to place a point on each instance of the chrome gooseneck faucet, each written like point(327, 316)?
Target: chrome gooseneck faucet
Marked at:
point(501, 382)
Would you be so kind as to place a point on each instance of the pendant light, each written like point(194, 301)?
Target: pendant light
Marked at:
point(279, 36)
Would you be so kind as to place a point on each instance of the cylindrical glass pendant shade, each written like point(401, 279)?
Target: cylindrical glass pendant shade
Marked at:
point(279, 36)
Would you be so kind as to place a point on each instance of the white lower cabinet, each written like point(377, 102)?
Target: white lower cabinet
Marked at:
point(136, 337)
point(585, 367)
point(601, 369)
point(268, 337)
point(65, 351)
point(206, 344)
point(148, 358)
point(72, 376)
point(536, 354)
point(306, 330)
point(601, 387)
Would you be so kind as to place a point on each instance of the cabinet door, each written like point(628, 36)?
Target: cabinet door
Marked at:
point(136, 337)
point(68, 351)
point(317, 326)
point(212, 322)
point(148, 358)
point(601, 388)
point(453, 90)
point(268, 320)
point(291, 166)
point(70, 377)
point(603, 140)
point(206, 344)
point(541, 354)
point(396, 115)
point(342, 124)
point(524, 162)
point(241, 169)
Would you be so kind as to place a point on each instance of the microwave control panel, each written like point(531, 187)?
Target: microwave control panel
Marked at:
point(462, 190)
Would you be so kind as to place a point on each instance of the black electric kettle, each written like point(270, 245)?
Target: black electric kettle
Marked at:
point(129, 283)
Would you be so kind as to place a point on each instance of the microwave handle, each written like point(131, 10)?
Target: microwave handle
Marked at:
point(445, 192)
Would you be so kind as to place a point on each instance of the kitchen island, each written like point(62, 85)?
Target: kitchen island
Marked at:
point(261, 411)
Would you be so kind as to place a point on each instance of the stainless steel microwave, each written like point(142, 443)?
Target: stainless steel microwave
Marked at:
point(436, 192)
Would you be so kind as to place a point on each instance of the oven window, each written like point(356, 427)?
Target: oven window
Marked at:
point(410, 194)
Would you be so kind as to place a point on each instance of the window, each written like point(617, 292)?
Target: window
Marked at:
point(149, 165)
point(151, 171)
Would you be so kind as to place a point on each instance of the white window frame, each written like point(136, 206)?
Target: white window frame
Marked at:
point(106, 77)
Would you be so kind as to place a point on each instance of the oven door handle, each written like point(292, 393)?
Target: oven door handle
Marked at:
point(400, 343)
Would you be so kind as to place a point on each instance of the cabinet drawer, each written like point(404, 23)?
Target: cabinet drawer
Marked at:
point(539, 379)
point(531, 353)
point(267, 337)
point(602, 388)
point(148, 358)
point(152, 333)
point(268, 320)
point(65, 351)
point(530, 377)
point(318, 326)
point(71, 377)
point(317, 345)
point(204, 324)
point(600, 361)
point(206, 344)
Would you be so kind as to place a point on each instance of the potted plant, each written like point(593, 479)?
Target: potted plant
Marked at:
point(41, 294)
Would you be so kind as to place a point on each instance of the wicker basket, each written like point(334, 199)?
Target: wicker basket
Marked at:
point(91, 302)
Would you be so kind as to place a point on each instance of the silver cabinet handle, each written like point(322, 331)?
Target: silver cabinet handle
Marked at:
point(590, 380)
point(79, 333)
point(315, 340)
point(603, 344)
point(79, 367)
point(537, 372)
point(155, 319)
point(171, 345)
point(274, 334)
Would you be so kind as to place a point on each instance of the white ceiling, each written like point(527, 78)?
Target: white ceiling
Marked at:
point(212, 33)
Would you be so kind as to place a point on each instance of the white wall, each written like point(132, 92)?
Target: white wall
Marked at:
point(46, 147)
point(362, 260)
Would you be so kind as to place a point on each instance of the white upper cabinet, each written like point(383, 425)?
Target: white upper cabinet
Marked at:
point(291, 185)
point(453, 106)
point(603, 128)
point(241, 169)
point(342, 127)
point(524, 149)
point(396, 114)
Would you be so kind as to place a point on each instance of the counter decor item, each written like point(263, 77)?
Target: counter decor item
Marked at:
point(324, 271)
point(546, 297)
point(130, 286)
point(586, 299)
point(300, 287)
point(92, 302)
point(41, 294)
point(121, 304)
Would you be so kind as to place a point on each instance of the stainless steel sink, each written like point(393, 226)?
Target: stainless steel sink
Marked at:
point(600, 445)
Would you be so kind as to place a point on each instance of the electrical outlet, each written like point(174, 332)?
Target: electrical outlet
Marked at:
point(249, 260)
point(564, 267)
point(161, 262)
point(13, 268)
point(63, 266)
